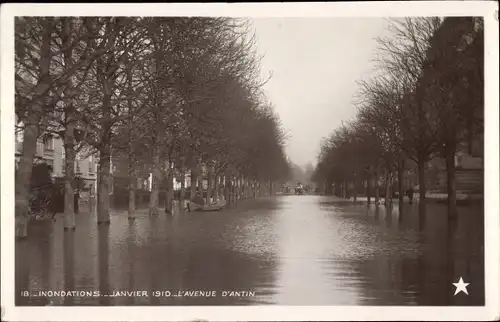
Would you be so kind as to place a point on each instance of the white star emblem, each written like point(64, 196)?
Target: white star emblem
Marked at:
point(461, 287)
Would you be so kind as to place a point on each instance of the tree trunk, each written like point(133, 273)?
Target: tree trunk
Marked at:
point(222, 188)
point(154, 198)
point(391, 188)
point(401, 193)
point(271, 191)
point(234, 185)
point(243, 187)
point(230, 192)
point(226, 190)
point(421, 182)
point(249, 188)
point(132, 182)
point(387, 189)
point(192, 188)
point(223, 181)
point(182, 194)
point(355, 194)
point(451, 182)
point(31, 134)
point(377, 189)
point(209, 183)
point(216, 187)
point(69, 149)
point(240, 188)
point(199, 179)
point(368, 190)
point(104, 180)
point(105, 157)
point(236, 189)
point(23, 179)
point(70, 202)
point(169, 198)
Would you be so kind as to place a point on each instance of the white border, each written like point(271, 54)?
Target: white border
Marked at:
point(258, 313)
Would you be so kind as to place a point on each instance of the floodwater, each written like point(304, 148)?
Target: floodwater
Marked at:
point(285, 250)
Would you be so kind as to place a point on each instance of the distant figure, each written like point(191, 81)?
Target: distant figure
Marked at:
point(409, 193)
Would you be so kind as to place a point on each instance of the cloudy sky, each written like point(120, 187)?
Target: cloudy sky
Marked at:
point(315, 64)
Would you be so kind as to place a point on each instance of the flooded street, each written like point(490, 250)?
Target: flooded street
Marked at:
point(286, 250)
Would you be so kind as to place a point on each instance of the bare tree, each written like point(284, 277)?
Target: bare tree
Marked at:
point(454, 89)
point(402, 57)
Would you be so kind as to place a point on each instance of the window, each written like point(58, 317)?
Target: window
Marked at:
point(91, 164)
point(63, 162)
point(48, 143)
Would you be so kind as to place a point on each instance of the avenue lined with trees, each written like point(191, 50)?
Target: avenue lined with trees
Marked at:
point(162, 95)
point(425, 101)
point(150, 164)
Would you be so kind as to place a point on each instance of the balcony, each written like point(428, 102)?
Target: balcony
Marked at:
point(47, 148)
point(48, 153)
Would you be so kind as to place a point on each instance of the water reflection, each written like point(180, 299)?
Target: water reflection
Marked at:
point(23, 265)
point(131, 261)
point(289, 250)
point(388, 216)
point(103, 253)
point(69, 261)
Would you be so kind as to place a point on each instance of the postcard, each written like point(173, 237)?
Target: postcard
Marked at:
point(250, 161)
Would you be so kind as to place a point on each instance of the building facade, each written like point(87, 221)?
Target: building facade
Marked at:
point(50, 150)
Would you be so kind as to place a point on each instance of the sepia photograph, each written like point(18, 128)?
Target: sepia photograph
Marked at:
point(197, 158)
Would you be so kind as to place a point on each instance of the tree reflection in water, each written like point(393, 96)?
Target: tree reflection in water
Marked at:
point(289, 250)
point(103, 259)
point(69, 264)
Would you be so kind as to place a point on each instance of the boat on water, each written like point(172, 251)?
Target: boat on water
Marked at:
point(214, 206)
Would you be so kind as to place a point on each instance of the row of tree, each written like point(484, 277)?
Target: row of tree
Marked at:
point(424, 101)
point(165, 94)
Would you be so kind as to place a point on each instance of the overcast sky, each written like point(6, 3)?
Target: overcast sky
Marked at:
point(315, 63)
